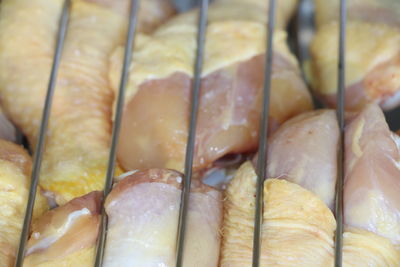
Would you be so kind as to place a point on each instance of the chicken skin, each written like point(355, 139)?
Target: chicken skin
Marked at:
point(15, 168)
point(156, 114)
point(372, 53)
point(143, 220)
point(298, 227)
point(78, 137)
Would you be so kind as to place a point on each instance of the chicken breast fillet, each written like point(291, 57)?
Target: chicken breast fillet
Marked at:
point(66, 236)
point(78, 138)
point(372, 53)
point(143, 220)
point(15, 168)
point(156, 114)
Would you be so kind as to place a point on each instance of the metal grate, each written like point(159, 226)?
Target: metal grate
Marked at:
point(261, 164)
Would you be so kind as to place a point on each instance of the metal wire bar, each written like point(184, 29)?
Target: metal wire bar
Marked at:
point(195, 99)
point(37, 161)
point(263, 147)
point(130, 40)
point(340, 110)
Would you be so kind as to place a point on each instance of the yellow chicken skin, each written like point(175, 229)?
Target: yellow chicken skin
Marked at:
point(76, 151)
point(77, 147)
point(15, 168)
point(372, 53)
point(152, 13)
point(66, 236)
point(300, 220)
point(297, 230)
point(156, 114)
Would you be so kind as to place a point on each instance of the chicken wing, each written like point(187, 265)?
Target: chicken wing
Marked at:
point(156, 114)
point(143, 219)
point(372, 53)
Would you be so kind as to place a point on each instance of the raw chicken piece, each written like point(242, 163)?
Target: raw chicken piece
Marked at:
point(155, 121)
point(294, 218)
point(303, 151)
point(77, 146)
point(372, 53)
point(76, 152)
point(15, 168)
point(143, 216)
point(372, 199)
point(66, 236)
point(297, 230)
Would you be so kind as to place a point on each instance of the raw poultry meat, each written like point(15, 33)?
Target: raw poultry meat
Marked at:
point(371, 191)
point(15, 167)
point(78, 138)
point(303, 151)
point(143, 219)
point(372, 53)
point(373, 175)
point(66, 236)
point(155, 121)
point(298, 228)
point(142, 214)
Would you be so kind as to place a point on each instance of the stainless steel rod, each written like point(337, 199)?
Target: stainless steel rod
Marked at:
point(190, 147)
point(263, 147)
point(130, 40)
point(37, 161)
point(340, 110)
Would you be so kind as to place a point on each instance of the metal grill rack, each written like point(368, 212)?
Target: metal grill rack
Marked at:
point(261, 164)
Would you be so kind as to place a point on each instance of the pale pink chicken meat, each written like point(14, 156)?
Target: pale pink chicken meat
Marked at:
point(303, 151)
point(143, 213)
point(228, 119)
point(156, 115)
point(66, 236)
point(372, 182)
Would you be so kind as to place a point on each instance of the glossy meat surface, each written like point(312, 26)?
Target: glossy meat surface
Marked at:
point(372, 183)
point(66, 236)
point(143, 219)
point(155, 120)
point(303, 151)
point(156, 113)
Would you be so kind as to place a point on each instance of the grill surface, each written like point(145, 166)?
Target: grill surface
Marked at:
point(303, 33)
